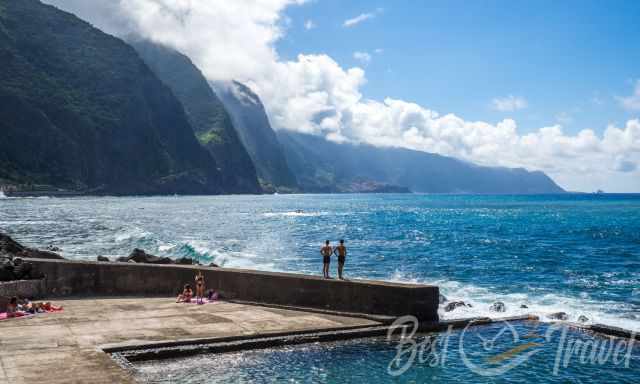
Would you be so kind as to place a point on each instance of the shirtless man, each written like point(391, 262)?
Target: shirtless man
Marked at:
point(326, 253)
point(341, 251)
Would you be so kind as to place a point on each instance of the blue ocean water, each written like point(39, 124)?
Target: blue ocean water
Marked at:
point(574, 253)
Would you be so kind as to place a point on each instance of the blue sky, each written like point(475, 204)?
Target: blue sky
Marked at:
point(543, 85)
point(568, 60)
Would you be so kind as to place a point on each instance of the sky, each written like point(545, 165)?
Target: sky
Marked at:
point(544, 85)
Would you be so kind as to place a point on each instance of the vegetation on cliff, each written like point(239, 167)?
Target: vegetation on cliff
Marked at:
point(205, 112)
point(418, 171)
point(80, 110)
point(253, 127)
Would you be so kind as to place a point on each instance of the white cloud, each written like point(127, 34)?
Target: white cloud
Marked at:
point(508, 104)
point(309, 24)
point(363, 57)
point(314, 94)
point(361, 17)
point(631, 103)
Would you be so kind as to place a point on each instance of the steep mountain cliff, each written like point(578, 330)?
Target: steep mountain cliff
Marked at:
point(419, 171)
point(252, 125)
point(81, 110)
point(205, 112)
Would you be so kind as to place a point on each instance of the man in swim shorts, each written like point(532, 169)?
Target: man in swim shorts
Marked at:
point(326, 253)
point(341, 251)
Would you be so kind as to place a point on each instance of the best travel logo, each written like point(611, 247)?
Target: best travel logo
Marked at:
point(492, 350)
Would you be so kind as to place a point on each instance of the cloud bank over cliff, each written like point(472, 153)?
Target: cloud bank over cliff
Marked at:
point(315, 94)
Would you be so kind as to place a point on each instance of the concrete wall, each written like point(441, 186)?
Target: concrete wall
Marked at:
point(66, 278)
point(31, 289)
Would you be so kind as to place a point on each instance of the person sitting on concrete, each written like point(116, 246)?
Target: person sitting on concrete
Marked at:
point(326, 252)
point(212, 295)
point(341, 252)
point(12, 308)
point(186, 295)
point(199, 288)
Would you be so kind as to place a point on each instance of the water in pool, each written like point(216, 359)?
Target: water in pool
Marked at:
point(519, 353)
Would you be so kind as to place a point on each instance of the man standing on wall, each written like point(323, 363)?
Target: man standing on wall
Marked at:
point(341, 251)
point(326, 252)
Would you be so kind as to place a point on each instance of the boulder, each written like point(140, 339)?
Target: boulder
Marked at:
point(214, 265)
point(559, 316)
point(442, 299)
point(11, 248)
point(18, 269)
point(103, 258)
point(583, 319)
point(523, 306)
point(498, 306)
point(185, 261)
point(140, 256)
point(453, 305)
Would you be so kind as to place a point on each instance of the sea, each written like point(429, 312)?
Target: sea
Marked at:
point(572, 253)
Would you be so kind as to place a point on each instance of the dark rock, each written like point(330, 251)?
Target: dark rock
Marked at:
point(524, 306)
point(442, 299)
point(185, 261)
point(583, 319)
point(140, 256)
point(53, 248)
point(37, 254)
point(122, 259)
point(18, 269)
point(498, 307)
point(453, 305)
point(559, 316)
point(103, 258)
point(214, 265)
point(9, 246)
point(12, 248)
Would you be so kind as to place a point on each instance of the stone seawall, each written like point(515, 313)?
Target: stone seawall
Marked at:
point(81, 278)
point(31, 289)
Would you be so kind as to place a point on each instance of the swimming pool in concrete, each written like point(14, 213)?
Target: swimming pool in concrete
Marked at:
point(501, 352)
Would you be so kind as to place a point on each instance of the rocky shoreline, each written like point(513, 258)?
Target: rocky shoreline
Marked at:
point(14, 264)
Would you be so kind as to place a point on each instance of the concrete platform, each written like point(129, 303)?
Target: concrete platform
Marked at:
point(66, 347)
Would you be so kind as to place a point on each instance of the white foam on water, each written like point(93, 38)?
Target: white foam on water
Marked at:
point(134, 233)
point(541, 304)
point(2, 195)
point(295, 214)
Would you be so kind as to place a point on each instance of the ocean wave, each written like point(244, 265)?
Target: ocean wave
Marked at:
point(543, 305)
point(295, 214)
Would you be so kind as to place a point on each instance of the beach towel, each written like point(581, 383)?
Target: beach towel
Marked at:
point(19, 315)
point(212, 300)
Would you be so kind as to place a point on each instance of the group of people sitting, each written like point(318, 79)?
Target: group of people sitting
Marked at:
point(187, 293)
point(19, 308)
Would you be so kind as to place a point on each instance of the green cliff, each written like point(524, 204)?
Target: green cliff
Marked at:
point(205, 112)
point(81, 111)
point(254, 129)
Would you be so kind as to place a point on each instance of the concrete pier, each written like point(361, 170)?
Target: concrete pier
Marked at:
point(76, 278)
point(127, 306)
point(67, 347)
